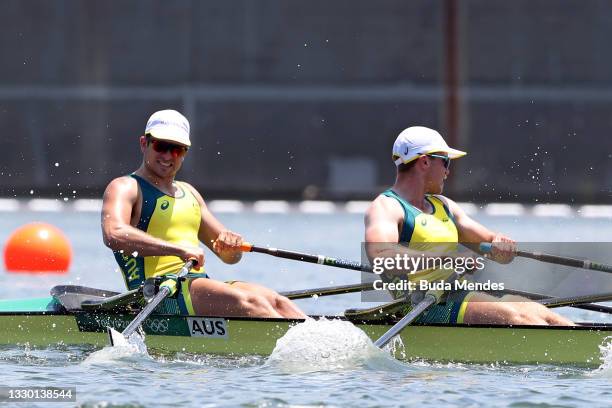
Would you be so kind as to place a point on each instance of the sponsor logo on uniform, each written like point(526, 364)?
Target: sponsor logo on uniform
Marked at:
point(164, 205)
point(424, 222)
point(207, 327)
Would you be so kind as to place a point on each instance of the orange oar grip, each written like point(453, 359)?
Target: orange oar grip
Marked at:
point(246, 247)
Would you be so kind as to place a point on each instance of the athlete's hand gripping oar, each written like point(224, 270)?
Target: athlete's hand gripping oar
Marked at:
point(555, 259)
point(431, 298)
point(164, 291)
point(298, 256)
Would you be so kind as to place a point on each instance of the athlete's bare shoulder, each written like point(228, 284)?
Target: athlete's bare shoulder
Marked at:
point(382, 220)
point(383, 205)
point(121, 187)
point(120, 203)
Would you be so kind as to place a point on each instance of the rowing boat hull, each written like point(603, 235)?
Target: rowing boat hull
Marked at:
point(577, 346)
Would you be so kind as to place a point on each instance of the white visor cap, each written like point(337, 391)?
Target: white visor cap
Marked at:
point(169, 125)
point(416, 141)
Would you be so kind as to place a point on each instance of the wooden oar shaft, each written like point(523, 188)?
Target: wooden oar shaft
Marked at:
point(299, 256)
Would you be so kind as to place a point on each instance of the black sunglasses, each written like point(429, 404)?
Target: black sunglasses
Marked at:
point(446, 159)
point(161, 147)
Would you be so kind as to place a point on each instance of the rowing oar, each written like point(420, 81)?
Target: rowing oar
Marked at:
point(164, 291)
point(556, 259)
point(585, 306)
point(317, 259)
point(329, 290)
point(342, 263)
point(576, 300)
point(430, 299)
point(298, 256)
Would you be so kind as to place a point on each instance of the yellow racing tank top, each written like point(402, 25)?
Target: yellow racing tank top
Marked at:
point(173, 219)
point(435, 232)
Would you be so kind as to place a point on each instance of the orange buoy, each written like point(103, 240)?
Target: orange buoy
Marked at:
point(37, 247)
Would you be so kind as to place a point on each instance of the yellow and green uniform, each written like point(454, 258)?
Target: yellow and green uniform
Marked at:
point(173, 219)
point(435, 232)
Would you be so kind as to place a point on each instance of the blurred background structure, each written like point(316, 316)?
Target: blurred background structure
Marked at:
point(304, 99)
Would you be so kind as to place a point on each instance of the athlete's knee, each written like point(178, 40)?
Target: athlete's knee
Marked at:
point(556, 320)
point(281, 302)
point(528, 314)
point(519, 318)
point(254, 303)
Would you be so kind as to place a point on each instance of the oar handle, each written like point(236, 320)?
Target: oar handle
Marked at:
point(555, 259)
point(146, 311)
point(298, 256)
point(164, 291)
point(187, 267)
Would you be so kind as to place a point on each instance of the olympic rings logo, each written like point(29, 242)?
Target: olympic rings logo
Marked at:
point(108, 321)
point(157, 325)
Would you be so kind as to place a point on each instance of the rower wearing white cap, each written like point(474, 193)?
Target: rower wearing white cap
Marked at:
point(414, 212)
point(154, 223)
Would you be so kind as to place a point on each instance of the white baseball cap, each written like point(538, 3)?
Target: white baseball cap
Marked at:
point(417, 141)
point(169, 125)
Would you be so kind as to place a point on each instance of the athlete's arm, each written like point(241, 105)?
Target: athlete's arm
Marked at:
point(382, 220)
point(472, 233)
point(120, 197)
point(224, 243)
point(382, 224)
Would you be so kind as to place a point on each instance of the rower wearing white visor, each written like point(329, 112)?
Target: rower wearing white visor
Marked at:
point(414, 213)
point(154, 224)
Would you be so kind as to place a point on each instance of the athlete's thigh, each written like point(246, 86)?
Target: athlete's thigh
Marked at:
point(484, 308)
point(210, 291)
point(255, 288)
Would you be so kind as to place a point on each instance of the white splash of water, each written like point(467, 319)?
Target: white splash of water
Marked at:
point(327, 345)
point(122, 348)
point(396, 348)
point(605, 350)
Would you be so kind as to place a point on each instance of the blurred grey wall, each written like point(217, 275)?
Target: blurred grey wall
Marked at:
point(290, 99)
